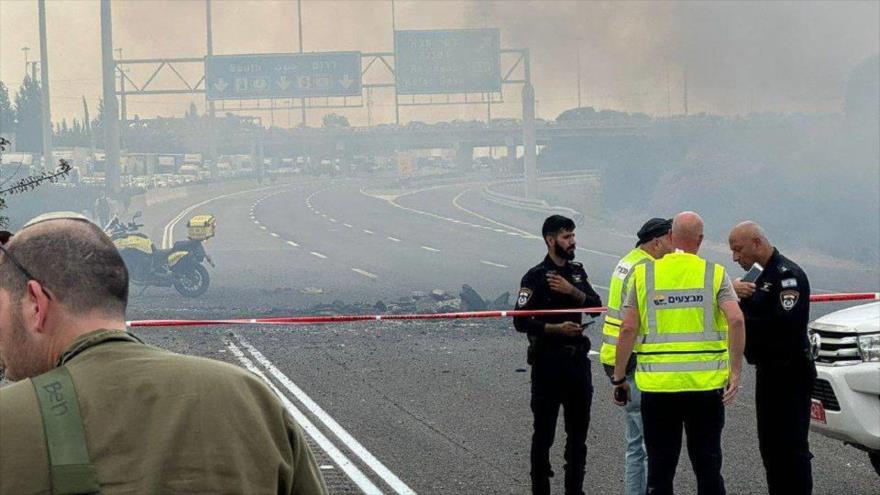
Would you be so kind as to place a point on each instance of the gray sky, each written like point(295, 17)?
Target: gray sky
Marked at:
point(740, 56)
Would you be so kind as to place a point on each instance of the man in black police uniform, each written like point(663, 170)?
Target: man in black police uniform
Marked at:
point(558, 355)
point(777, 309)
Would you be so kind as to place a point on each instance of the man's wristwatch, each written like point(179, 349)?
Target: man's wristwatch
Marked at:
point(618, 382)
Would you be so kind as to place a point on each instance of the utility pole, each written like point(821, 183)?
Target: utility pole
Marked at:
point(44, 86)
point(299, 15)
point(393, 35)
point(111, 110)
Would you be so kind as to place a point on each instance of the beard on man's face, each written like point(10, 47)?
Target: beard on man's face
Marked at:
point(21, 358)
point(566, 254)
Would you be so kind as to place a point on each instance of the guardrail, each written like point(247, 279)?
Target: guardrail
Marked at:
point(538, 205)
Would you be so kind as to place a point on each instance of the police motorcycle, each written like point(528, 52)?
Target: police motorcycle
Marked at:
point(180, 267)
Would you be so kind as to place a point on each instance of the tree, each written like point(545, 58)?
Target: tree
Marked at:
point(29, 183)
point(335, 120)
point(7, 115)
point(28, 114)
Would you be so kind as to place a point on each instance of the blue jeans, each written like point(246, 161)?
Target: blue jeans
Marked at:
point(636, 466)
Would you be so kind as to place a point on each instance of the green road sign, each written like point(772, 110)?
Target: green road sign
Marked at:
point(447, 61)
point(283, 75)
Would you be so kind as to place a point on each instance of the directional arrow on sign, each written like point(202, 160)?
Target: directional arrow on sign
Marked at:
point(346, 81)
point(283, 83)
point(221, 85)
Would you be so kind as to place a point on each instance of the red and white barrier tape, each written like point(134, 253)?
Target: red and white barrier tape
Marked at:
point(310, 320)
point(852, 296)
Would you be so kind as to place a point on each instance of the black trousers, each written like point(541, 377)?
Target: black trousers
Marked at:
point(701, 415)
point(560, 377)
point(782, 402)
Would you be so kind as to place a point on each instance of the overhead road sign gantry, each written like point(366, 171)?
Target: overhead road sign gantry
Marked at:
point(283, 75)
point(447, 61)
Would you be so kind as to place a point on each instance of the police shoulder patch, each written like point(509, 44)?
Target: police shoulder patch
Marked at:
point(524, 295)
point(788, 299)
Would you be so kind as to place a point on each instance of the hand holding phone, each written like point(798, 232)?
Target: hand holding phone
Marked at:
point(753, 273)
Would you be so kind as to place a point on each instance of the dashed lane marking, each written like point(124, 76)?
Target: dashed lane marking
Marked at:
point(263, 227)
point(347, 225)
point(365, 273)
point(429, 248)
point(393, 239)
point(273, 234)
point(492, 263)
point(368, 232)
point(319, 255)
point(293, 243)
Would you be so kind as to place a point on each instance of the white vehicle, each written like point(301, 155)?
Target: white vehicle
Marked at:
point(846, 398)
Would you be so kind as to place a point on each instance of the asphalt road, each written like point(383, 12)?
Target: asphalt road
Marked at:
point(427, 407)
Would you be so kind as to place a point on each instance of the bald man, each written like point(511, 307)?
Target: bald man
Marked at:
point(94, 409)
point(777, 309)
point(688, 357)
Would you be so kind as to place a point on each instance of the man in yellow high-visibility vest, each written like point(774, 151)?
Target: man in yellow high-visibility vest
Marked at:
point(653, 244)
point(691, 335)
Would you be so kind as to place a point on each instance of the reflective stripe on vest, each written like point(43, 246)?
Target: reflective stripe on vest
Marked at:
point(70, 469)
point(616, 295)
point(682, 344)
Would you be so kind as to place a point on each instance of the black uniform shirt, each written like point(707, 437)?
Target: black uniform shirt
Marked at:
point(535, 293)
point(777, 313)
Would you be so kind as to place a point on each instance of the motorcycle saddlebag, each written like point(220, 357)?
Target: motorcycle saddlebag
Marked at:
point(201, 227)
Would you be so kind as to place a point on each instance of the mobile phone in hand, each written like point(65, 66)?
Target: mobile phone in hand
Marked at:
point(753, 273)
point(621, 395)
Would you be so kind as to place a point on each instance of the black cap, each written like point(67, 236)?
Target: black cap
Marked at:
point(654, 228)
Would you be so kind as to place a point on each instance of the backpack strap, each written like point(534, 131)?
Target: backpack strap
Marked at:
point(71, 470)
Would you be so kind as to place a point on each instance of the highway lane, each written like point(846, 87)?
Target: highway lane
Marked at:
point(442, 405)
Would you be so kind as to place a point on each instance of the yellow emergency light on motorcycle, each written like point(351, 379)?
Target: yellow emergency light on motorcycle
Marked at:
point(201, 227)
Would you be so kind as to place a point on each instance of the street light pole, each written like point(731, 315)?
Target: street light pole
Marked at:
point(44, 85)
point(25, 50)
point(579, 70)
point(393, 31)
point(111, 111)
point(119, 68)
point(212, 113)
point(299, 15)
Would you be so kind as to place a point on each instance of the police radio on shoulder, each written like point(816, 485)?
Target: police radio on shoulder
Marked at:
point(753, 273)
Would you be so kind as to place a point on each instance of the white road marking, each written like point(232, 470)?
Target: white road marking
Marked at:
point(393, 239)
point(168, 231)
point(429, 248)
point(273, 234)
point(332, 220)
point(356, 448)
point(347, 225)
point(263, 227)
point(356, 475)
point(364, 273)
point(490, 263)
point(319, 255)
point(368, 232)
point(293, 243)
